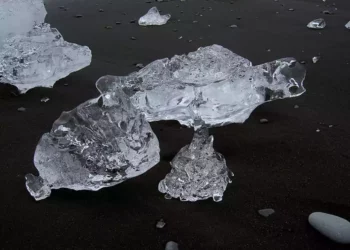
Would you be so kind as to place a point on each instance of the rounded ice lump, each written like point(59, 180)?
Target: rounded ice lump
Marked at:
point(101, 143)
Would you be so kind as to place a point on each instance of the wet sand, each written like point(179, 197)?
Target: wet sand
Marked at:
point(284, 164)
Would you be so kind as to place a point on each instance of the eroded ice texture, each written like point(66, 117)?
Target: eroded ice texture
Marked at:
point(40, 58)
point(20, 16)
point(101, 143)
point(198, 172)
point(319, 23)
point(212, 83)
point(153, 17)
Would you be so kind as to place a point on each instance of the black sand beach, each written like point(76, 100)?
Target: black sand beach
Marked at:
point(284, 164)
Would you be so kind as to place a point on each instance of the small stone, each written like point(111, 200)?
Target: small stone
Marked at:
point(101, 10)
point(108, 27)
point(266, 212)
point(180, 37)
point(239, 18)
point(45, 99)
point(233, 26)
point(330, 126)
point(315, 59)
point(189, 41)
point(327, 12)
point(133, 38)
point(195, 21)
point(303, 62)
point(331, 226)
point(133, 21)
point(264, 120)
point(118, 23)
point(78, 16)
point(21, 109)
point(171, 245)
point(160, 224)
point(175, 30)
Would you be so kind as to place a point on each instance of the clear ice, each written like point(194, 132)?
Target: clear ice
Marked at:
point(319, 23)
point(212, 83)
point(101, 143)
point(153, 17)
point(198, 172)
point(347, 25)
point(20, 16)
point(40, 58)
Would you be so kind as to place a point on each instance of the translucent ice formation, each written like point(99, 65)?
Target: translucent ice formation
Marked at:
point(212, 83)
point(347, 25)
point(198, 172)
point(101, 143)
point(153, 17)
point(318, 24)
point(40, 58)
point(20, 16)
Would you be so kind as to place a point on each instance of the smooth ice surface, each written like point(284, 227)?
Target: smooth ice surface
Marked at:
point(331, 226)
point(20, 16)
point(347, 25)
point(319, 23)
point(171, 245)
point(40, 58)
point(153, 17)
point(212, 83)
point(101, 143)
point(198, 172)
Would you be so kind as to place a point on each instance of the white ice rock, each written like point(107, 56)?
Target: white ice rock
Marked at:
point(101, 143)
point(198, 171)
point(153, 17)
point(317, 24)
point(347, 25)
point(331, 226)
point(20, 16)
point(212, 83)
point(40, 58)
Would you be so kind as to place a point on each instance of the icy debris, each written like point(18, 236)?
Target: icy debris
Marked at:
point(40, 58)
point(171, 245)
point(21, 109)
point(198, 172)
point(319, 23)
point(153, 17)
point(263, 120)
point(160, 224)
point(331, 226)
point(266, 212)
point(101, 143)
point(315, 59)
point(213, 83)
point(20, 16)
point(44, 99)
point(347, 25)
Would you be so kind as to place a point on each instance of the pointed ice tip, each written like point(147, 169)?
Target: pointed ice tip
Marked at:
point(37, 187)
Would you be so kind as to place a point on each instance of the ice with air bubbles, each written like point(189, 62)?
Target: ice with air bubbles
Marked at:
point(100, 143)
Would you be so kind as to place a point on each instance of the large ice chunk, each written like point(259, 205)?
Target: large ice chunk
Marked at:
point(40, 58)
point(153, 17)
point(20, 16)
point(212, 83)
point(198, 172)
point(101, 143)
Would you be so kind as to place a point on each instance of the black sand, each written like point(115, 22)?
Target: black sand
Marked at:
point(285, 164)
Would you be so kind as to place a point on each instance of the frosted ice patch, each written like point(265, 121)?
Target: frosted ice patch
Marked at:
point(319, 23)
point(153, 17)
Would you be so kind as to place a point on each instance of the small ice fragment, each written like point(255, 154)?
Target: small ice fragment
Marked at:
point(160, 224)
point(315, 59)
point(101, 10)
point(133, 38)
point(21, 109)
point(296, 106)
point(318, 130)
point(139, 65)
point(108, 27)
point(180, 37)
point(327, 12)
point(78, 16)
point(37, 187)
point(330, 126)
point(233, 26)
point(45, 99)
point(266, 212)
point(319, 23)
point(264, 120)
point(331, 226)
point(347, 25)
point(291, 9)
point(153, 17)
point(171, 245)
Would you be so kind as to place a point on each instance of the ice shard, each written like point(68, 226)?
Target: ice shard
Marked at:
point(40, 58)
point(101, 143)
point(198, 171)
point(212, 83)
point(20, 16)
point(153, 17)
point(317, 24)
